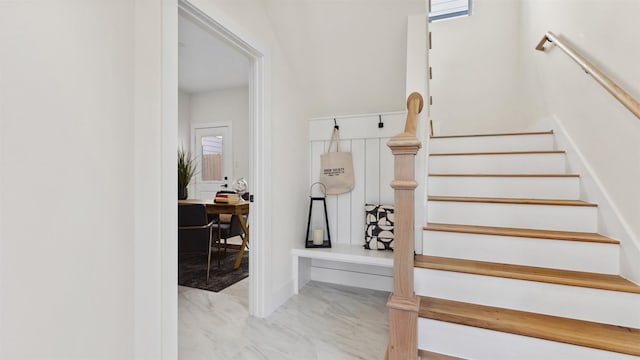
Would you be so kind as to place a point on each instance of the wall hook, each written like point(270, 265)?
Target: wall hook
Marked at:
point(335, 124)
point(380, 123)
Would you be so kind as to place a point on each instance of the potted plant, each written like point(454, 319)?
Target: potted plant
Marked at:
point(186, 170)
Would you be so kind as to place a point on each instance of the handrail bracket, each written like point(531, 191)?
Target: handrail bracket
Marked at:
point(614, 89)
point(540, 46)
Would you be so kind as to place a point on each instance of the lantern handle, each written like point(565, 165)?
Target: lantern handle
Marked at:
point(324, 189)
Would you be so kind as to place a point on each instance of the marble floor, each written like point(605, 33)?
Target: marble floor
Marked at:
point(323, 322)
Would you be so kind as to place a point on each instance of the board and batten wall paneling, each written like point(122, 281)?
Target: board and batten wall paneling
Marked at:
point(372, 165)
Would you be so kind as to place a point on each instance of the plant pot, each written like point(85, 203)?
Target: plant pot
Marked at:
point(183, 193)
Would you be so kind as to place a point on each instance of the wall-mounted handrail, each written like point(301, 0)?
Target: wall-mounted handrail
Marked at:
point(629, 102)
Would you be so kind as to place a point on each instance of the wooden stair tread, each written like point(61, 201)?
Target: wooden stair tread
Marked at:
point(498, 134)
point(430, 355)
point(512, 201)
point(509, 175)
point(501, 153)
point(519, 232)
point(529, 273)
point(578, 332)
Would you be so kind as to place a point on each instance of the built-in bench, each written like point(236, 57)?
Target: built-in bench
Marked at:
point(347, 262)
point(344, 264)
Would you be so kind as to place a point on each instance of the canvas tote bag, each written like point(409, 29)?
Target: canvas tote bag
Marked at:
point(336, 172)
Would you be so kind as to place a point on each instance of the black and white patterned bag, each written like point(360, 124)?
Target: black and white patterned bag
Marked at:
point(379, 220)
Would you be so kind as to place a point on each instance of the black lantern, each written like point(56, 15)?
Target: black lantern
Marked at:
point(318, 235)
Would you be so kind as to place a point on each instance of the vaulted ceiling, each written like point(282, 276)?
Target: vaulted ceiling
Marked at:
point(348, 55)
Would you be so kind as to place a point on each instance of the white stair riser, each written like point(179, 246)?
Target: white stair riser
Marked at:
point(567, 188)
point(545, 163)
point(549, 217)
point(492, 143)
point(558, 254)
point(609, 307)
point(469, 342)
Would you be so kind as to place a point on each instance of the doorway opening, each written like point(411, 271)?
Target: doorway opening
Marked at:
point(213, 99)
point(249, 140)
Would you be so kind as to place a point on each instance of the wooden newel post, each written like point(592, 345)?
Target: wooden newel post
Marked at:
point(403, 303)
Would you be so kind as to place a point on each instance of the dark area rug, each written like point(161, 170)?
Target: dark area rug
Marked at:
point(192, 270)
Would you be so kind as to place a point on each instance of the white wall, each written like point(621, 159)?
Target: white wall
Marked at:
point(66, 105)
point(184, 120)
point(607, 135)
point(417, 80)
point(68, 283)
point(488, 77)
point(155, 181)
point(349, 56)
point(372, 160)
point(477, 80)
point(289, 146)
point(226, 106)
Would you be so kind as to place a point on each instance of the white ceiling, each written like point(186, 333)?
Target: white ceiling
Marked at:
point(207, 63)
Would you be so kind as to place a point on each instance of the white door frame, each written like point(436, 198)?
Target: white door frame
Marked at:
point(260, 164)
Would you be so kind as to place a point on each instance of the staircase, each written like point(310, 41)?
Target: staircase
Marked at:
point(512, 265)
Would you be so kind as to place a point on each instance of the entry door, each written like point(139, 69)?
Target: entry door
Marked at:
point(212, 146)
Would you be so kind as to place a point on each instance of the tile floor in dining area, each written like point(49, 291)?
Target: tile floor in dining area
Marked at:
point(323, 322)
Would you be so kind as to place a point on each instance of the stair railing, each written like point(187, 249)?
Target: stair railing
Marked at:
point(629, 102)
point(403, 304)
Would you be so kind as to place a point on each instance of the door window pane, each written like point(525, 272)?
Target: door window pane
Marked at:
point(212, 158)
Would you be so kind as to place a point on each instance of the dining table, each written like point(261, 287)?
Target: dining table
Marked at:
point(238, 209)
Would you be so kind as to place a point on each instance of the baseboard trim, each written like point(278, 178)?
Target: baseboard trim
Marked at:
point(280, 296)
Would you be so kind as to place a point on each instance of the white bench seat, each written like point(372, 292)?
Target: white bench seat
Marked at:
point(345, 264)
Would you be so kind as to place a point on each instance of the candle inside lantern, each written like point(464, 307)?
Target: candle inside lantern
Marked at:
point(318, 237)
